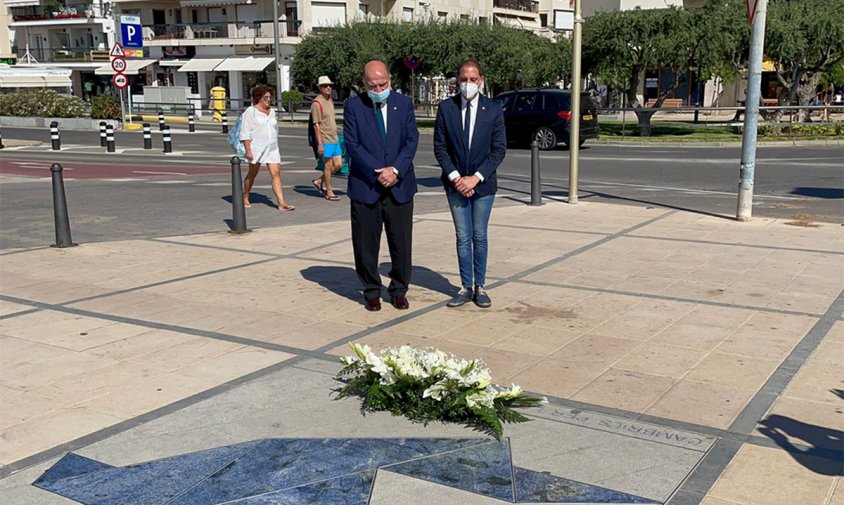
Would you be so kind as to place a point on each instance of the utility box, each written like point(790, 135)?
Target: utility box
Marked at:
point(167, 98)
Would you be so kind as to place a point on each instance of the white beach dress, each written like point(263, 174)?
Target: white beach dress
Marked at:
point(262, 130)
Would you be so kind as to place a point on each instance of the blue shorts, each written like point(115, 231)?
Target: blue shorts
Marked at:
point(331, 150)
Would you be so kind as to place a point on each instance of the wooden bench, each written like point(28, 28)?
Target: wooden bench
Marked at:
point(668, 103)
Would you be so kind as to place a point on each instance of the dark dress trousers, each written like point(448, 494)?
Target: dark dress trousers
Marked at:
point(374, 207)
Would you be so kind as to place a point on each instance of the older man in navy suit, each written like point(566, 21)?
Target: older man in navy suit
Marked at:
point(470, 143)
point(381, 139)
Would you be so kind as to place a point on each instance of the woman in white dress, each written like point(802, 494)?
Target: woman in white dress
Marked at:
point(259, 134)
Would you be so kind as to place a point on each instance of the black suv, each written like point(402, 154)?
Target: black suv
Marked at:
point(544, 114)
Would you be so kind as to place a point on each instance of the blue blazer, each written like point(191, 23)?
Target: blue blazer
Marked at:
point(489, 142)
point(367, 150)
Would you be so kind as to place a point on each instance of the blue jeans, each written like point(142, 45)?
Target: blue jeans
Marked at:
point(471, 219)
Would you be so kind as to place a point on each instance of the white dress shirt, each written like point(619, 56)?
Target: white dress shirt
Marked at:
point(474, 111)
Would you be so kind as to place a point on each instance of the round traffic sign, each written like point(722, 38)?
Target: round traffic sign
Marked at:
point(120, 81)
point(118, 64)
point(411, 62)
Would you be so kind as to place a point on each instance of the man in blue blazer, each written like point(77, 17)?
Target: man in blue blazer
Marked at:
point(469, 144)
point(381, 139)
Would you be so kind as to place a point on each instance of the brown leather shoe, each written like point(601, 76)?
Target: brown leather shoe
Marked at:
point(400, 302)
point(373, 304)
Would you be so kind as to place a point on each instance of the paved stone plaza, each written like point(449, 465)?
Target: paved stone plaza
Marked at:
point(687, 359)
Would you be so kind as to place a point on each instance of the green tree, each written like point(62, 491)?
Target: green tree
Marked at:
point(805, 39)
point(509, 55)
point(620, 46)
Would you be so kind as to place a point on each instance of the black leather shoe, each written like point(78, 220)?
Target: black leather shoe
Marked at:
point(400, 302)
point(373, 304)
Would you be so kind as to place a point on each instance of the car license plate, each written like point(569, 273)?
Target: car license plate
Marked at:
point(587, 117)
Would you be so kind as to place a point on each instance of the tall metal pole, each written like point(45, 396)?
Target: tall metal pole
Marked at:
point(277, 52)
point(574, 122)
point(751, 114)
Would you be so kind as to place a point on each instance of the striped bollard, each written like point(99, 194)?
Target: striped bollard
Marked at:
point(54, 136)
point(109, 138)
point(147, 136)
point(225, 122)
point(160, 120)
point(168, 142)
point(191, 125)
point(102, 134)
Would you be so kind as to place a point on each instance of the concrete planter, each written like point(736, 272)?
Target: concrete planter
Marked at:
point(64, 123)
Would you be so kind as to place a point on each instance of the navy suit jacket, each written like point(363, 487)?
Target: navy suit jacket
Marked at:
point(367, 150)
point(489, 142)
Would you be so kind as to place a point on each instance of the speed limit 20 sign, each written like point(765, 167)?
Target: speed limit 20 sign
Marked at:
point(118, 65)
point(120, 81)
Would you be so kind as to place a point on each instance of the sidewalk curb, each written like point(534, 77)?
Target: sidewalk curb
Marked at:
point(767, 143)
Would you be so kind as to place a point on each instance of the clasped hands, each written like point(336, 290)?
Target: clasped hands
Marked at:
point(387, 177)
point(465, 185)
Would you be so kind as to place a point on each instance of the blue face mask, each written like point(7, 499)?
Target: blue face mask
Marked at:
point(379, 97)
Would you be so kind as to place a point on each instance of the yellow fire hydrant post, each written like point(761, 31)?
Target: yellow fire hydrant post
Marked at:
point(218, 102)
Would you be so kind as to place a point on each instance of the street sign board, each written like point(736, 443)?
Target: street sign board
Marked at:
point(130, 30)
point(116, 51)
point(118, 65)
point(120, 81)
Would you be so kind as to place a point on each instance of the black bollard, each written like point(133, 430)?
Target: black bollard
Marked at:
point(238, 210)
point(160, 120)
point(191, 125)
point(225, 122)
point(54, 136)
point(147, 136)
point(697, 110)
point(168, 142)
point(1, 141)
point(62, 220)
point(535, 184)
point(109, 138)
point(102, 134)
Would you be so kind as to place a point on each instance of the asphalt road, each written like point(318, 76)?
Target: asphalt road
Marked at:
point(137, 193)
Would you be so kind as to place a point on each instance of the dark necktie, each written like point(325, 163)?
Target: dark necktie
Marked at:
point(379, 118)
point(467, 123)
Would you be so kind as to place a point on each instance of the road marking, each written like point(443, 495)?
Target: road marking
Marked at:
point(124, 179)
point(168, 182)
point(157, 173)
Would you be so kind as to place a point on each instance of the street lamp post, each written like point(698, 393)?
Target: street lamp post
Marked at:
point(277, 53)
point(574, 122)
point(751, 112)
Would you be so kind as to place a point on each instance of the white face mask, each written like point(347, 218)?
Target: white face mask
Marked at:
point(468, 90)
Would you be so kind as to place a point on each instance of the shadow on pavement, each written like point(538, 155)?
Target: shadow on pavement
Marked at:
point(343, 281)
point(254, 198)
point(824, 455)
point(819, 192)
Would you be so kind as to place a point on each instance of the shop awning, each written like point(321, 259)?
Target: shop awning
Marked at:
point(526, 22)
point(34, 81)
point(200, 65)
point(245, 63)
point(132, 67)
point(172, 63)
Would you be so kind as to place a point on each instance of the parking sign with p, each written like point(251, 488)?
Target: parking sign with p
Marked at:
point(130, 29)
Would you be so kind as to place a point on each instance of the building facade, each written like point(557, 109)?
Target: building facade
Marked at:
point(201, 44)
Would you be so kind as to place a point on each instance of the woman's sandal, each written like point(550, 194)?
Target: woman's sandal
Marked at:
point(316, 183)
point(285, 206)
point(333, 198)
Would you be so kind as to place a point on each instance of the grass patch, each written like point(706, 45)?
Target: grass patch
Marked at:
point(663, 131)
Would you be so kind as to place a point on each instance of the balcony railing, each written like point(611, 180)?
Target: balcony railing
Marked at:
point(516, 5)
point(69, 11)
point(69, 54)
point(238, 30)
